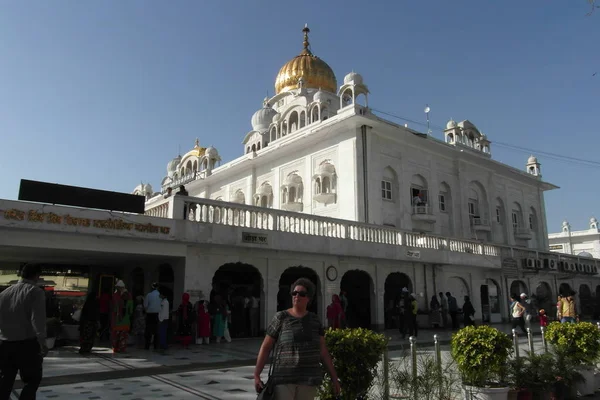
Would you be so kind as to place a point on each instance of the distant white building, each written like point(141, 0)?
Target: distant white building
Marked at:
point(585, 243)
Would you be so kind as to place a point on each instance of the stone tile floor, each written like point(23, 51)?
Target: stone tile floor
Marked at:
point(215, 371)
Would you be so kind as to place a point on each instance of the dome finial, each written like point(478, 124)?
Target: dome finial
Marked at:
point(306, 43)
point(197, 143)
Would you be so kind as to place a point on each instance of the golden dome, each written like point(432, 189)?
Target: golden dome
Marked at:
point(314, 72)
point(197, 150)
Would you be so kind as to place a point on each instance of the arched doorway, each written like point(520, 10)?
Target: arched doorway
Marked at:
point(287, 278)
point(166, 280)
point(518, 287)
point(137, 282)
point(391, 296)
point(565, 289)
point(586, 300)
point(358, 287)
point(544, 299)
point(458, 288)
point(241, 286)
point(490, 302)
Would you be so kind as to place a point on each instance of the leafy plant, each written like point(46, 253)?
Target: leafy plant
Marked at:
point(433, 382)
point(481, 354)
point(355, 354)
point(535, 372)
point(578, 343)
point(53, 327)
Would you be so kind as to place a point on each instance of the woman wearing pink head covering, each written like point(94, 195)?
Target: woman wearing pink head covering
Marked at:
point(335, 313)
point(185, 319)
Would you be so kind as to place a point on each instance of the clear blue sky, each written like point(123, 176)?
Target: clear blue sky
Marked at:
point(101, 94)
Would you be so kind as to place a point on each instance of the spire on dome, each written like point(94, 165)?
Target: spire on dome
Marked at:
point(306, 43)
point(197, 143)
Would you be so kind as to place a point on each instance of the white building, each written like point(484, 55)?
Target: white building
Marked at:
point(328, 190)
point(584, 243)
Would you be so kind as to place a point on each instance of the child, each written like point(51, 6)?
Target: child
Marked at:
point(543, 318)
point(139, 322)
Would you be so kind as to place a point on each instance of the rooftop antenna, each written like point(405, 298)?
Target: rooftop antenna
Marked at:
point(427, 110)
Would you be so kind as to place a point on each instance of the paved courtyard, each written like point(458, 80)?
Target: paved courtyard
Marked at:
point(215, 371)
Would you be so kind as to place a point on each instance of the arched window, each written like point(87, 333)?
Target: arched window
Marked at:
point(314, 117)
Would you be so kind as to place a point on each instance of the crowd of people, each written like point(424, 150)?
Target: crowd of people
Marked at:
point(146, 320)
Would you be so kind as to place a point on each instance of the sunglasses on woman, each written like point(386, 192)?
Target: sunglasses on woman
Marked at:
point(301, 294)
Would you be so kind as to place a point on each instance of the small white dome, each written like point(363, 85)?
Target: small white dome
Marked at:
point(265, 190)
point(593, 220)
point(326, 169)
point(293, 179)
point(263, 118)
point(565, 223)
point(172, 165)
point(532, 160)
point(353, 77)
point(319, 96)
point(585, 254)
point(451, 124)
point(211, 153)
point(147, 188)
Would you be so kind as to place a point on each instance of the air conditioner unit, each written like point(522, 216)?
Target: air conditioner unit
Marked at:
point(563, 266)
point(572, 267)
point(538, 264)
point(528, 263)
point(588, 269)
point(552, 264)
point(580, 268)
point(594, 270)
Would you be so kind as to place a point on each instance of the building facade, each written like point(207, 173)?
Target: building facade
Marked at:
point(584, 243)
point(327, 190)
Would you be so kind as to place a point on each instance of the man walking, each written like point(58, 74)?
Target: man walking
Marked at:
point(529, 311)
point(444, 305)
point(152, 307)
point(453, 310)
point(22, 334)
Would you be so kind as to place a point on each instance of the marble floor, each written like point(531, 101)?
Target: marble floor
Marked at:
point(215, 371)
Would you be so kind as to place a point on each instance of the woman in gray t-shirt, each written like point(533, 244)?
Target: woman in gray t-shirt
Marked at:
point(300, 349)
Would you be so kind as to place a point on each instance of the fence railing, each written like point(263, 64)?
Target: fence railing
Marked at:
point(240, 215)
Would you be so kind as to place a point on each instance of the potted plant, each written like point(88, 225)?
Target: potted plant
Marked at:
point(532, 377)
point(53, 328)
point(577, 346)
point(356, 354)
point(481, 354)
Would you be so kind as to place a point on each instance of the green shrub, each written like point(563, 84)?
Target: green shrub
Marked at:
point(579, 343)
point(355, 354)
point(481, 354)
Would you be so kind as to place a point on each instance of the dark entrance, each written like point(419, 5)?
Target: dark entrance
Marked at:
point(166, 280)
point(586, 301)
point(564, 289)
point(518, 287)
point(241, 286)
point(544, 299)
point(137, 282)
point(289, 276)
point(358, 287)
point(393, 288)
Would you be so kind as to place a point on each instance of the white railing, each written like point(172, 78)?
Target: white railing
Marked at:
point(423, 209)
point(233, 214)
point(479, 221)
point(159, 209)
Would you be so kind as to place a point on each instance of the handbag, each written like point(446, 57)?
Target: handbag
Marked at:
point(268, 391)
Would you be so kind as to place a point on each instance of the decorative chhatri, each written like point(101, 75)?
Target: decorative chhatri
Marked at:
point(314, 72)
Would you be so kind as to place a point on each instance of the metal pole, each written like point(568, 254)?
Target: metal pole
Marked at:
point(516, 343)
point(386, 372)
point(438, 353)
point(544, 343)
point(438, 361)
point(530, 341)
point(413, 353)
